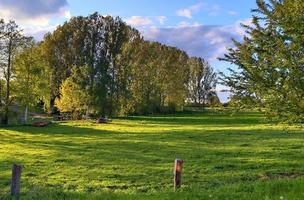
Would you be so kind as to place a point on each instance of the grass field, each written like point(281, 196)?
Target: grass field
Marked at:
point(225, 157)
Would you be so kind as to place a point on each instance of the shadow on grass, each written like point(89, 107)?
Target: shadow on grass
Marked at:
point(77, 158)
point(202, 118)
point(270, 190)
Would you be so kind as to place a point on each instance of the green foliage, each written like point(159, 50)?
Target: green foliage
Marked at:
point(227, 157)
point(92, 42)
point(72, 98)
point(31, 77)
point(270, 60)
point(12, 41)
point(108, 64)
point(158, 77)
point(124, 74)
point(202, 83)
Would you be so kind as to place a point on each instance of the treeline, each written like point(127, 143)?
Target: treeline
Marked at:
point(99, 66)
point(271, 61)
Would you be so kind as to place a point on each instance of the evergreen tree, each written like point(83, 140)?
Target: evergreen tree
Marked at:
point(270, 60)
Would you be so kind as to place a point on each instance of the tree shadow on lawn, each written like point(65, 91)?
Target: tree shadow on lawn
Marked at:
point(131, 161)
point(43, 193)
point(260, 189)
point(61, 137)
point(32, 191)
point(202, 119)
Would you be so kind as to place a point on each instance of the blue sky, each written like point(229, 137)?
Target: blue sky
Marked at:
point(210, 11)
point(202, 28)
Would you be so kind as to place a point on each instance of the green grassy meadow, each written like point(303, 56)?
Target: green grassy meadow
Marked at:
point(225, 157)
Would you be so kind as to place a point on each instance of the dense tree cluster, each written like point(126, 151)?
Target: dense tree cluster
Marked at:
point(98, 65)
point(271, 60)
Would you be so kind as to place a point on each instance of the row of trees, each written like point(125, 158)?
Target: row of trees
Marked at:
point(271, 61)
point(98, 65)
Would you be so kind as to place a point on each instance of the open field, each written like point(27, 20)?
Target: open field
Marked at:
point(225, 157)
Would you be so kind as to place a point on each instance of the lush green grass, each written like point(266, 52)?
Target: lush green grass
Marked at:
point(225, 157)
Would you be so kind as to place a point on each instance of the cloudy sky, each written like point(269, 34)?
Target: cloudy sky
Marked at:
point(200, 27)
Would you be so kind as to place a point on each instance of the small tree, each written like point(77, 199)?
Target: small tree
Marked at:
point(72, 98)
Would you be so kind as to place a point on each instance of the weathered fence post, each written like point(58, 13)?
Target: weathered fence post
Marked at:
point(178, 173)
point(16, 176)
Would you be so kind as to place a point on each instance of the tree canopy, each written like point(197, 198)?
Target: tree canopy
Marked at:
point(270, 61)
point(12, 42)
point(120, 72)
point(98, 65)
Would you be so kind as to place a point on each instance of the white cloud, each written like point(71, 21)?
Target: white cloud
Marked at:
point(139, 21)
point(143, 21)
point(38, 32)
point(187, 24)
point(184, 13)
point(34, 16)
point(231, 12)
point(33, 12)
point(238, 28)
point(188, 12)
point(67, 14)
point(183, 24)
point(207, 41)
point(7, 15)
point(161, 19)
point(214, 10)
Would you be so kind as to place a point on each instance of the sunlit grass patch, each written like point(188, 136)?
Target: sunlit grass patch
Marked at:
point(233, 156)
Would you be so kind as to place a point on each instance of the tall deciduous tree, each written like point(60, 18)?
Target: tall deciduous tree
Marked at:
point(11, 42)
point(93, 42)
point(202, 82)
point(115, 67)
point(31, 78)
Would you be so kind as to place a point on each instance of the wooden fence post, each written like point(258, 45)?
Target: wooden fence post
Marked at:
point(16, 176)
point(178, 173)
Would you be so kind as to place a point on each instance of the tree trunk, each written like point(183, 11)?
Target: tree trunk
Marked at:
point(8, 77)
point(203, 102)
point(26, 114)
point(1, 105)
point(1, 87)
